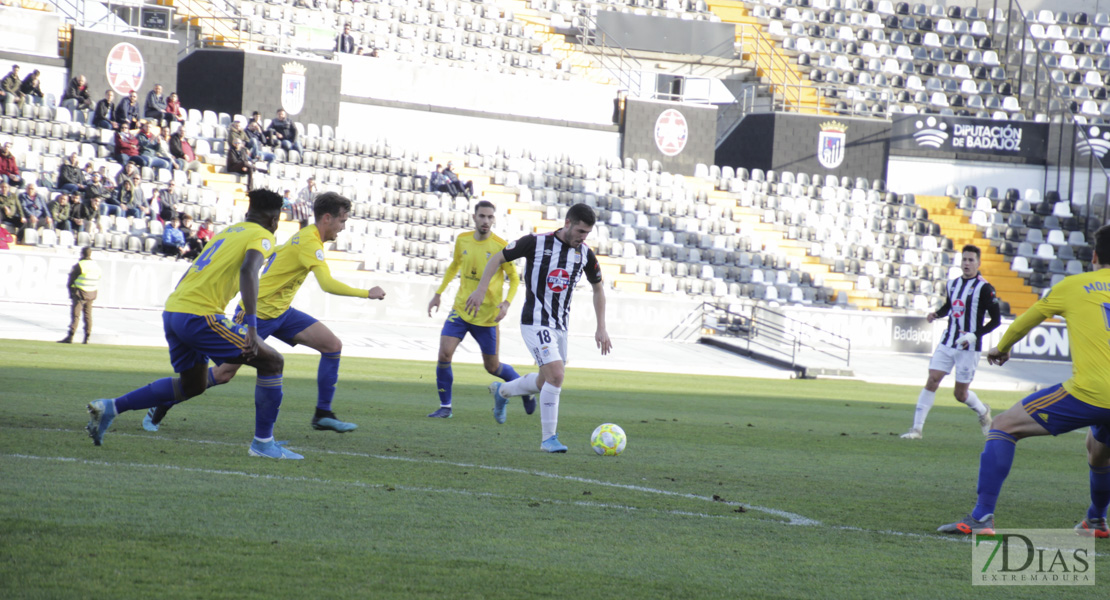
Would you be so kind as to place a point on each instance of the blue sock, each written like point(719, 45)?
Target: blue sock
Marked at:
point(165, 390)
point(994, 466)
point(326, 376)
point(1100, 492)
point(444, 379)
point(507, 372)
point(267, 402)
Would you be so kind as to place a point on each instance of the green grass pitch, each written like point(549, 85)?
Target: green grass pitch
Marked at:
point(729, 488)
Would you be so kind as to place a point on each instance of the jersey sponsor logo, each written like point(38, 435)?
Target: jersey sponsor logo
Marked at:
point(320, 254)
point(558, 280)
point(124, 68)
point(958, 308)
point(266, 245)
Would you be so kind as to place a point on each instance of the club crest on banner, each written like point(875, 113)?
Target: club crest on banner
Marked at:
point(124, 68)
point(293, 87)
point(830, 144)
point(671, 132)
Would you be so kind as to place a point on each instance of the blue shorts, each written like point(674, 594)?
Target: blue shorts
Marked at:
point(285, 328)
point(195, 339)
point(1059, 412)
point(486, 337)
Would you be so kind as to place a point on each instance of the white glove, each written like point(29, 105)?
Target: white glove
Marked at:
point(965, 341)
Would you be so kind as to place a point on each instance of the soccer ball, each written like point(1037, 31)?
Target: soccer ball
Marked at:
point(608, 439)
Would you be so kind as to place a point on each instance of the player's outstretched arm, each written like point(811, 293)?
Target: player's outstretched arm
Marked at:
point(474, 301)
point(601, 336)
point(333, 286)
point(248, 290)
point(997, 357)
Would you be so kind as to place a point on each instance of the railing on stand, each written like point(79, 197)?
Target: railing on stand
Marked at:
point(611, 55)
point(117, 17)
point(763, 331)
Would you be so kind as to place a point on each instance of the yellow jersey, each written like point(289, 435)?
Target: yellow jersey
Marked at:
point(1083, 301)
point(469, 261)
point(287, 269)
point(213, 278)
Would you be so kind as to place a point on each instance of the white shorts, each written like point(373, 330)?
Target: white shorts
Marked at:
point(964, 361)
point(546, 344)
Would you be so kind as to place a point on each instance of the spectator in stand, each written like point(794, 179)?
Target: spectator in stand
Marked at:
point(127, 111)
point(9, 88)
point(308, 194)
point(173, 241)
point(104, 115)
point(130, 198)
point(206, 231)
point(70, 176)
point(174, 112)
point(437, 181)
point(126, 173)
point(192, 242)
point(78, 91)
point(236, 132)
point(88, 172)
point(239, 161)
point(61, 211)
point(139, 200)
point(256, 140)
point(95, 188)
point(155, 107)
point(170, 196)
point(127, 146)
point(287, 203)
point(9, 170)
point(11, 211)
point(35, 213)
point(150, 151)
point(31, 88)
point(345, 43)
point(457, 187)
point(182, 151)
point(285, 132)
point(85, 214)
point(267, 135)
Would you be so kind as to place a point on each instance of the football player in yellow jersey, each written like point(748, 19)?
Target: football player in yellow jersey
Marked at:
point(1083, 300)
point(472, 252)
point(281, 278)
point(198, 330)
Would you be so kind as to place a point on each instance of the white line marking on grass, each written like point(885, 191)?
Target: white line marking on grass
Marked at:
point(359, 484)
point(791, 518)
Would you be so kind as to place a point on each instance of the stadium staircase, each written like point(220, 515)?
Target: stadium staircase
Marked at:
point(772, 66)
point(956, 225)
point(538, 27)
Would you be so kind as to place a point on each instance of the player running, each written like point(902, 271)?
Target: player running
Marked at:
point(554, 264)
point(472, 251)
point(197, 329)
point(969, 301)
point(281, 278)
point(1084, 400)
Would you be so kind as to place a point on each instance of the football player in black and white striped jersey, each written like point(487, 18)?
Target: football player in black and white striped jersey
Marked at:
point(554, 262)
point(969, 301)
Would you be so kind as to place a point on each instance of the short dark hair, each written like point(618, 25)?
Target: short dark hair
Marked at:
point(484, 204)
point(265, 200)
point(972, 249)
point(330, 203)
point(1102, 244)
point(86, 252)
point(581, 213)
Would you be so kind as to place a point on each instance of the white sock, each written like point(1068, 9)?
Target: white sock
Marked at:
point(525, 384)
point(974, 404)
point(263, 441)
point(924, 403)
point(549, 410)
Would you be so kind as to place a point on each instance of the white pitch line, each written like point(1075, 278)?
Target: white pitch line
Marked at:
point(359, 484)
point(791, 518)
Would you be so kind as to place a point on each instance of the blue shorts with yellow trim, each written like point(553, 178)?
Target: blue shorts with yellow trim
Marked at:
point(194, 339)
point(1060, 412)
point(486, 337)
point(285, 327)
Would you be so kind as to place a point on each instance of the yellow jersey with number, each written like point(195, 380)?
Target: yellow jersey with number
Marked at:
point(213, 278)
point(469, 261)
point(289, 267)
point(1083, 301)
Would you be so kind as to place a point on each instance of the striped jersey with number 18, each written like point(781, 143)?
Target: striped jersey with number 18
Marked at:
point(551, 271)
